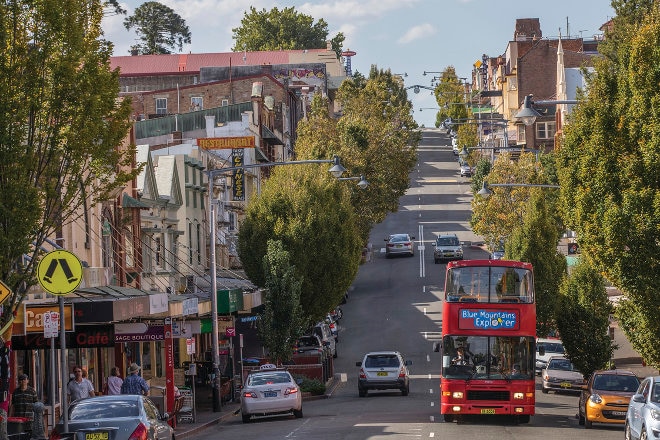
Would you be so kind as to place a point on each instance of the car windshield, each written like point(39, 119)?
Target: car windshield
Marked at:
point(269, 378)
point(103, 409)
point(552, 347)
point(615, 382)
point(447, 241)
point(382, 361)
point(399, 238)
point(561, 364)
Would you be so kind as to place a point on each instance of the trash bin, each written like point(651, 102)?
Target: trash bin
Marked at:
point(157, 394)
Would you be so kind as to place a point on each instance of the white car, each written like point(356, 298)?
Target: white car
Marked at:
point(383, 370)
point(561, 375)
point(549, 347)
point(643, 416)
point(270, 391)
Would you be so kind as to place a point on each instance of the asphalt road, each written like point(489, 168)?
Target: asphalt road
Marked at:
point(395, 305)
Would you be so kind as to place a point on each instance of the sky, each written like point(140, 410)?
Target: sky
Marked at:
point(409, 37)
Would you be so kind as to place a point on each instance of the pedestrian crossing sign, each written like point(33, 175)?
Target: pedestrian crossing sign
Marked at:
point(59, 272)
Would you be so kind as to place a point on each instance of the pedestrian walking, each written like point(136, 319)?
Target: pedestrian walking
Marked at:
point(22, 400)
point(114, 382)
point(80, 387)
point(134, 383)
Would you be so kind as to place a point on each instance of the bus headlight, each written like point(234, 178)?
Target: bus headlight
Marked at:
point(457, 395)
point(518, 396)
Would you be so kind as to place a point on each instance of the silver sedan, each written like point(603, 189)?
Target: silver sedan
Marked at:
point(398, 244)
point(270, 391)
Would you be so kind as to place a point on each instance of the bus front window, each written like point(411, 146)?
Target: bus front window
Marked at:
point(487, 357)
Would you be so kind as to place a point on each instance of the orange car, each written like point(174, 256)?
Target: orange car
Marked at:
point(606, 397)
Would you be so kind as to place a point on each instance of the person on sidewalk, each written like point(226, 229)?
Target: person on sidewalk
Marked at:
point(22, 400)
point(114, 382)
point(80, 387)
point(134, 384)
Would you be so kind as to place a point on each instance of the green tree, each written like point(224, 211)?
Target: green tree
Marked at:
point(159, 28)
point(112, 7)
point(376, 137)
point(281, 322)
point(535, 242)
point(451, 96)
point(306, 209)
point(284, 29)
point(582, 315)
point(609, 166)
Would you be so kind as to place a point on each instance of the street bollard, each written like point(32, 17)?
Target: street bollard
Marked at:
point(38, 430)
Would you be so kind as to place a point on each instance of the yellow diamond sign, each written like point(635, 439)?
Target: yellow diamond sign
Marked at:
point(59, 272)
point(4, 292)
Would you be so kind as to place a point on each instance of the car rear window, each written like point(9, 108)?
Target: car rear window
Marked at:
point(552, 347)
point(382, 361)
point(398, 238)
point(615, 382)
point(103, 409)
point(268, 378)
point(308, 342)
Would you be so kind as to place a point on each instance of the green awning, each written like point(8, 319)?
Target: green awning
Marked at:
point(129, 202)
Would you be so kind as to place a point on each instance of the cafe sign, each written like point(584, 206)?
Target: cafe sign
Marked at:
point(34, 317)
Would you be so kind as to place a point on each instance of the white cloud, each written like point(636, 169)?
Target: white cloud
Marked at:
point(417, 32)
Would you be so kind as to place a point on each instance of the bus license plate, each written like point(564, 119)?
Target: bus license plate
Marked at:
point(381, 373)
point(96, 435)
point(488, 411)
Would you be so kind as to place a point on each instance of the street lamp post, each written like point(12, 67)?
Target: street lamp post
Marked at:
point(336, 170)
point(528, 113)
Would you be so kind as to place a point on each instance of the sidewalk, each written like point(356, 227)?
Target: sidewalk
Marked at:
point(205, 417)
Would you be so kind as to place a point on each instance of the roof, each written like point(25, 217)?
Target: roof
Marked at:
point(185, 64)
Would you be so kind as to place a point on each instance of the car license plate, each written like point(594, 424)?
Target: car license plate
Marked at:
point(270, 394)
point(381, 373)
point(96, 435)
point(565, 384)
point(398, 246)
point(488, 411)
point(618, 413)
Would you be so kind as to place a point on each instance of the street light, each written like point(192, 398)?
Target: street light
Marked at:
point(336, 170)
point(485, 191)
point(528, 114)
point(362, 182)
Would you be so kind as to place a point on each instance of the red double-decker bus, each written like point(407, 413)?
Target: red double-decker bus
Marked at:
point(488, 339)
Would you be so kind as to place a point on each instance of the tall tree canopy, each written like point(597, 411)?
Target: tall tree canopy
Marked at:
point(451, 96)
point(376, 137)
point(159, 28)
point(284, 29)
point(61, 131)
point(306, 209)
point(609, 168)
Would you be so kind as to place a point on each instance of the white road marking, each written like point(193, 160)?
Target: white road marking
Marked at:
point(432, 403)
point(430, 433)
point(428, 358)
point(430, 390)
point(432, 419)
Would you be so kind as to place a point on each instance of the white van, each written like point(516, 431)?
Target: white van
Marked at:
point(549, 348)
point(322, 330)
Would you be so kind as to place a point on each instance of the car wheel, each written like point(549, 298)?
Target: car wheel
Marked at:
point(245, 417)
point(334, 356)
point(587, 423)
point(405, 391)
point(626, 432)
point(544, 390)
point(580, 419)
point(643, 435)
point(448, 418)
point(362, 392)
point(436, 261)
point(298, 413)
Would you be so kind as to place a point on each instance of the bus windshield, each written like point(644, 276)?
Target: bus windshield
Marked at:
point(488, 357)
point(489, 284)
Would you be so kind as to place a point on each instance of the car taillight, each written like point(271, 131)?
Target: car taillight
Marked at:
point(140, 433)
point(290, 391)
point(54, 435)
point(390, 245)
point(402, 372)
point(250, 394)
point(362, 375)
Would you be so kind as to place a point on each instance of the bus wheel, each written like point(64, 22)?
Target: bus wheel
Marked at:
point(524, 418)
point(448, 418)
